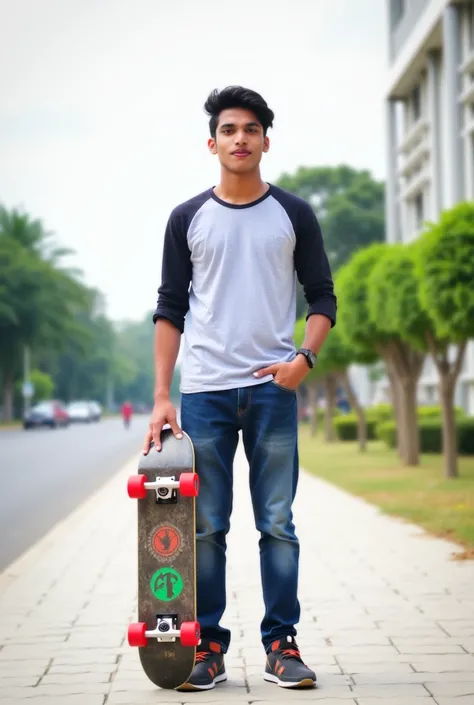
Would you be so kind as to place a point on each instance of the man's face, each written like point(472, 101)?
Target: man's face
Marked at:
point(239, 141)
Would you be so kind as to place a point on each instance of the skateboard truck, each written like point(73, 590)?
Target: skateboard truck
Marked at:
point(165, 487)
point(166, 631)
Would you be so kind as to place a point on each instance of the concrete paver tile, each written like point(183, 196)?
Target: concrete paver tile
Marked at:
point(393, 690)
point(383, 610)
point(453, 688)
point(426, 700)
point(55, 700)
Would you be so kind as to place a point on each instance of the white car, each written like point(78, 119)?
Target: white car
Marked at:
point(96, 410)
point(80, 411)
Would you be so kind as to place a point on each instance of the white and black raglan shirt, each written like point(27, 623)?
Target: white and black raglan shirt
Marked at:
point(229, 283)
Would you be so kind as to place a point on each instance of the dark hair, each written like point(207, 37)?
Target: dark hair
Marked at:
point(237, 97)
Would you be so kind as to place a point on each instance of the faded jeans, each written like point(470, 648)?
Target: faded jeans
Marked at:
point(267, 416)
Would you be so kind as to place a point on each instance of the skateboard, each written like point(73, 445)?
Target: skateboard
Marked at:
point(167, 632)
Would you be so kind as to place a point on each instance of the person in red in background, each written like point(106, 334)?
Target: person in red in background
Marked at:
point(127, 410)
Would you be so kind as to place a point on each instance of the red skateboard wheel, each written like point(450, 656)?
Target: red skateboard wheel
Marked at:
point(190, 633)
point(136, 634)
point(189, 484)
point(136, 486)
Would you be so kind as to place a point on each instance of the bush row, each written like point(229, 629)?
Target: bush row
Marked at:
point(385, 412)
point(431, 435)
point(430, 429)
point(347, 426)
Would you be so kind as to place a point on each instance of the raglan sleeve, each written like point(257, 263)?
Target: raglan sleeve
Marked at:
point(176, 273)
point(312, 266)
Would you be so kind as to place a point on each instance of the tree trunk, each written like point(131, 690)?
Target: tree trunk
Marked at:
point(396, 401)
point(313, 401)
point(330, 389)
point(359, 411)
point(448, 376)
point(408, 411)
point(404, 365)
point(446, 395)
point(7, 395)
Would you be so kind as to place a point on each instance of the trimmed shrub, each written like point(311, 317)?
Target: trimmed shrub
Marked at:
point(347, 426)
point(428, 412)
point(322, 413)
point(381, 412)
point(385, 412)
point(386, 431)
point(465, 428)
point(431, 435)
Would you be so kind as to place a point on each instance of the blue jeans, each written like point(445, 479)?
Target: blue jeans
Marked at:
point(267, 416)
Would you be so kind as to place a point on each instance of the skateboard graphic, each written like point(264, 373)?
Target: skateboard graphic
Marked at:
point(167, 632)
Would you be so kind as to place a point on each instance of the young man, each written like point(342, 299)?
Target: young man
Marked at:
point(230, 259)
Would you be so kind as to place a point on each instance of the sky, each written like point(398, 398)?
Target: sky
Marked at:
point(102, 127)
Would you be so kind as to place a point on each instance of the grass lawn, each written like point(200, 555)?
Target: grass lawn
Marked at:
point(421, 494)
point(9, 424)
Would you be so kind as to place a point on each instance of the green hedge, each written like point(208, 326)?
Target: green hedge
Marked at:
point(386, 431)
point(466, 435)
point(322, 413)
point(381, 412)
point(346, 427)
point(431, 440)
point(384, 412)
point(429, 412)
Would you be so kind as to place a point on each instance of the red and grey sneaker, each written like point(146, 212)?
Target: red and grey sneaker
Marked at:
point(209, 668)
point(285, 667)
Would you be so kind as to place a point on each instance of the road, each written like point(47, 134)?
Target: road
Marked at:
point(46, 474)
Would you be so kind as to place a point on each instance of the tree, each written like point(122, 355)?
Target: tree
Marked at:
point(43, 385)
point(20, 288)
point(331, 370)
point(445, 266)
point(366, 335)
point(349, 205)
point(39, 298)
point(334, 361)
point(395, 311)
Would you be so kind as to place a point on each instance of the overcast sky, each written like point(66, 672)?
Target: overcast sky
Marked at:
point(102, 128)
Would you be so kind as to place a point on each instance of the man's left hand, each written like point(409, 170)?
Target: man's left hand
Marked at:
point(287, 374)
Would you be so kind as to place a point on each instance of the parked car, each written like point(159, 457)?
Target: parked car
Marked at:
point(50, 413)
point(80, 412)
point(96, 410)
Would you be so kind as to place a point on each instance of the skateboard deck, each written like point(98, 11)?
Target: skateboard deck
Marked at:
point(166, 633)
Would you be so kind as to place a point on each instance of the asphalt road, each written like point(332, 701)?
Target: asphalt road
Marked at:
point(45, 474)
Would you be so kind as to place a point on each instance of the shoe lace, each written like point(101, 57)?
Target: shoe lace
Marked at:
point(291, 653)
point(203, 656)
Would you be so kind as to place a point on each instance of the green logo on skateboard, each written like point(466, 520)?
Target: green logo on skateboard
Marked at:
point(166, 584)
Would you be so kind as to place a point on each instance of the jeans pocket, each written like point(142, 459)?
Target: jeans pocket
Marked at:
point(284, 389)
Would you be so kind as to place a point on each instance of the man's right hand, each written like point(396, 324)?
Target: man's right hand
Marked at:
point(163, 413)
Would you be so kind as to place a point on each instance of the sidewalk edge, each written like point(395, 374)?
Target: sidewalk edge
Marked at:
point(21, 564)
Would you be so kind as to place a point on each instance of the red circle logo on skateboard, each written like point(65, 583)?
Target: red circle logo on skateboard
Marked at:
point(166, 541)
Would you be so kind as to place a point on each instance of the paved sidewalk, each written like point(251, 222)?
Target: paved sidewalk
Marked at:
point(387, 617)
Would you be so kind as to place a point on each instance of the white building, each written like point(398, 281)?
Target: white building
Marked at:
point(430, 130)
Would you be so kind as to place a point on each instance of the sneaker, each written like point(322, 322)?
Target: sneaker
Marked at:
point(209, 668)
point(285, 667)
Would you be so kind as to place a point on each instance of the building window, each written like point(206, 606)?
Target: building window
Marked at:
point(397, 10)
point(419, 211)
point(416, 102)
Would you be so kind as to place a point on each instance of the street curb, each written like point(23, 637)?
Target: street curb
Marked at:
point(29, 557)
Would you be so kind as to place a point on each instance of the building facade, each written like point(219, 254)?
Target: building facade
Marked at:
point(430, 131)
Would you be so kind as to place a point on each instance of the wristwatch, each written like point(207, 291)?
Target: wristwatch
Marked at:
point(309, 355)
